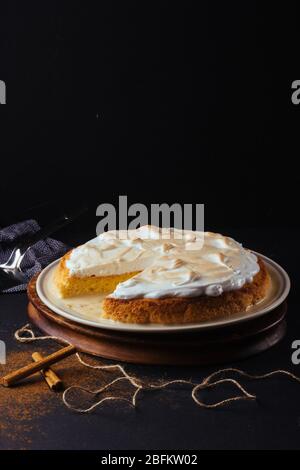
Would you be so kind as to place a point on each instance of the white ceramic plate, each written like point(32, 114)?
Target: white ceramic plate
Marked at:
point(87, 309)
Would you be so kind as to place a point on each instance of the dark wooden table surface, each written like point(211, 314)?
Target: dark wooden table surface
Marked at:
point(169, 420)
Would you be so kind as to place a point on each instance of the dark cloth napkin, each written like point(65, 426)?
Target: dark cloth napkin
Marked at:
point(37, 257)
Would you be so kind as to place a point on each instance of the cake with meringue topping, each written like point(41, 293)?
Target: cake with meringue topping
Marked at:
point(162, 275)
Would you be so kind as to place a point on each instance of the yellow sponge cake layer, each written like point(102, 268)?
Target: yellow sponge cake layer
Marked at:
point(179, 276)
point(71, 286)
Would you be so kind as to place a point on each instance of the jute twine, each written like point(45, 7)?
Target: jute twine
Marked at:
point(27, 335)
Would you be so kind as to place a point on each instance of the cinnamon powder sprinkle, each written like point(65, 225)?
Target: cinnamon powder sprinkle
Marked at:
point(22, 404)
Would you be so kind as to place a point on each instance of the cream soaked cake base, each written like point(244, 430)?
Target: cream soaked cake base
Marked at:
point(87, 310)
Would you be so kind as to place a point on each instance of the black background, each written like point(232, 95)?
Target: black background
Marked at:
point(162, 102)
point(167, 102)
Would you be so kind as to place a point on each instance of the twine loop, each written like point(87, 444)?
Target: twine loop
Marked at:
point(27, 335)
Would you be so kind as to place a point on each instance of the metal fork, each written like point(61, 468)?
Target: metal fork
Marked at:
point(10, 272)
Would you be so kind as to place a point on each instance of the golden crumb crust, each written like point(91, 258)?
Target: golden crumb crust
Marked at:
point(182, 310)
point(168, 310)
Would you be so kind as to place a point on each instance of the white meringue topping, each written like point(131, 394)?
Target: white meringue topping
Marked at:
point(172, 262)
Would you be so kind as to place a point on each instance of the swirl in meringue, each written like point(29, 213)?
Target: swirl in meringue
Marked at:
point(170, 262)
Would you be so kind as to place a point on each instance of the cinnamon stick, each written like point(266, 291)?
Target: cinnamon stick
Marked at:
point(52, 379)
point(44, 363)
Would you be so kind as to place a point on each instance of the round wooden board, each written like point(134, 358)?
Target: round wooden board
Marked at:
point(211, 346)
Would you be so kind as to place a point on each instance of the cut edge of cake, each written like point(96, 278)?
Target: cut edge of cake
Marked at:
point(72, 286)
